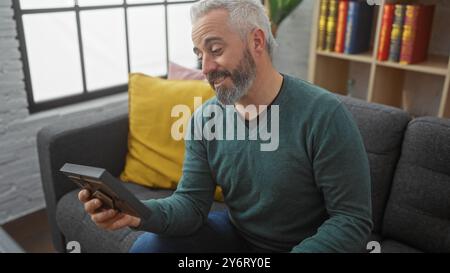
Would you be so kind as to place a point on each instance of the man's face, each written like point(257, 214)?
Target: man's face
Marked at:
point(226, 60)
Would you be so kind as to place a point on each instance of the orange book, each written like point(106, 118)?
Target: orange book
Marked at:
point(385, 34)
point(341, 26)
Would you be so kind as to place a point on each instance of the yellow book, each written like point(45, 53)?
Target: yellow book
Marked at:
point(321, 43)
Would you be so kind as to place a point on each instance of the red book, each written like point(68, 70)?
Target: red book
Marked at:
point(385, 34)
point(341, 26)
point(416, 33)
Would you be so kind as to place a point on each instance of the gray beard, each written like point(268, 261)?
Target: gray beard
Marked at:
point(242, 77)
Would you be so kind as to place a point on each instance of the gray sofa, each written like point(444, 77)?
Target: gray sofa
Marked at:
point(409, 161)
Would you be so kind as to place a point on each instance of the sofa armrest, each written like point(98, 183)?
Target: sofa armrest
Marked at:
point(100, 141)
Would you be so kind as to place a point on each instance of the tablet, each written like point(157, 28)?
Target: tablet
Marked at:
point(109, 189)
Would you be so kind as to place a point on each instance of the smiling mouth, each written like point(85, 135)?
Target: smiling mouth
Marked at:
point(219, 81)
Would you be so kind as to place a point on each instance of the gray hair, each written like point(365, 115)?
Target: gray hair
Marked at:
point(245, 16)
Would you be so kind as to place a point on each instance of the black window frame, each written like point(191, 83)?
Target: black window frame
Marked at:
point(35, 107)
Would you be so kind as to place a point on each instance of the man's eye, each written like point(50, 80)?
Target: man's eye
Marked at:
point(216, 51)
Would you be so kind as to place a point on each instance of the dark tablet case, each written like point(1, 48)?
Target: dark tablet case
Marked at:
point(107, 188)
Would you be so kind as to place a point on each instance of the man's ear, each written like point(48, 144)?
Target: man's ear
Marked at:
point(258, 41)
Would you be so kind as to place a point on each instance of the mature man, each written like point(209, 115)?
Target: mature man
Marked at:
point(310, 194)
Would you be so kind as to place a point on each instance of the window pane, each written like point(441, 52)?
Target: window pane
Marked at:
point(43, 4)
point(53, 55)
point(104, 47)
point(84, 3)
point(146, 28)
point(180, 42)
point(144, 1)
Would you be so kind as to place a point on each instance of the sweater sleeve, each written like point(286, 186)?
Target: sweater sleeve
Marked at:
point(186, 210)
point(341, 172)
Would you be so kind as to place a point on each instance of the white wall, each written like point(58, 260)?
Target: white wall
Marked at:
point(293, 37)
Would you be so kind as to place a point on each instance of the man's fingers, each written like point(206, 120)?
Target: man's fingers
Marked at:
point(103, 216)
point(84, 196)
point(122, 222)
point(117, 222)
point(92, 205)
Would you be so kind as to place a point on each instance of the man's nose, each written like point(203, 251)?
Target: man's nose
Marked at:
point(208, 66)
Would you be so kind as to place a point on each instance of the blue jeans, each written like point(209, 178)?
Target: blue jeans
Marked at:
point(217, 235)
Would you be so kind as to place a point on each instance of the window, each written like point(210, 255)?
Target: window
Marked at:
point(76, 50)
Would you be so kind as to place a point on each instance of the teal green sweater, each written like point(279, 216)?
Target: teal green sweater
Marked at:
point(311, 194)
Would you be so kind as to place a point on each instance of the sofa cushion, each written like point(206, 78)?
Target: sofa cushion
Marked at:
point(418, 209)
point(382, 128)
point(159, 112)
point(179, 72)
point(76, 224)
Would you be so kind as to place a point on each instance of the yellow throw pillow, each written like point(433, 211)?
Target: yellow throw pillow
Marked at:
point(155, 158)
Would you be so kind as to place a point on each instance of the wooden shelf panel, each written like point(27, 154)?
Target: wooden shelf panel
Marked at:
point(437, 65)
point(444, 110)
point(387, 87)
point(365, 57)
point(331, 78)
point(416, 87)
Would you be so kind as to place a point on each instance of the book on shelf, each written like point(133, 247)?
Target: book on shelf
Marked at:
point(385, 32)
point(416, 33)
point(330, 37)
point(323, 24)
point(359, 27)
point(341, 26)
point(397, 33)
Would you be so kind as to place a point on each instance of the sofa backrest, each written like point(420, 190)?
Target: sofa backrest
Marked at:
point(418, 209)
point(382, 129)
